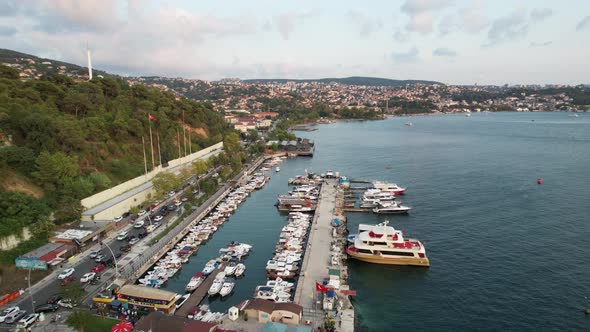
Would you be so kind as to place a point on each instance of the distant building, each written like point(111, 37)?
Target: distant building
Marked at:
point(47, 256)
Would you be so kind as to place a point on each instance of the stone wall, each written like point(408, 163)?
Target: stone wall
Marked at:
point(11, 241)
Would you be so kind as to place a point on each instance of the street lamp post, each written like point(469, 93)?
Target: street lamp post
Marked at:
point(30, 291)
point(114, 258)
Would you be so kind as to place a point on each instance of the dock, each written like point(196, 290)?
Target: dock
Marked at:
point(199, 294)
point(356, 210)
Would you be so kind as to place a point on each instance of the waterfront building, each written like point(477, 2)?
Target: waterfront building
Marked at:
point(148, 297)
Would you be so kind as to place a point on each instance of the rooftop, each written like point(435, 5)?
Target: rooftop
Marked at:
point(146, 292)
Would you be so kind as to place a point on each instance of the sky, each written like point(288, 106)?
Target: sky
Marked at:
point(450, 41)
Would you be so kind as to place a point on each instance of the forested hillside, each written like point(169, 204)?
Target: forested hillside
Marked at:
point(71, 139)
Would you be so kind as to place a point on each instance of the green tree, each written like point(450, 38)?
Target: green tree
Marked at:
point(252, 135)
point(20, 158)
point(200, 167)
point(165, 182)
point(78, 320)
point(8, 72)
point(231, 143)
point(73, 291)
point(18, 210)
point(54, 170)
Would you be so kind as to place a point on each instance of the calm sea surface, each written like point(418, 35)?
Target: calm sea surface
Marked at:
point(505, 252)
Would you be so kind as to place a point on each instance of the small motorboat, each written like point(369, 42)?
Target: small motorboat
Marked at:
point(195, 282)
point(277, 169)
point(217, 284)
point(181, 300)
point(226, 288)
point(210, 267)
point(230, 269)
point(240, 269)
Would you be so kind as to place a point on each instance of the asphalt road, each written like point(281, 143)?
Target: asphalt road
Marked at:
point(82, 264)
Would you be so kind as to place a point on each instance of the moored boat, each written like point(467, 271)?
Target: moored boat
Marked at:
point(195, 281)
point(382, 244)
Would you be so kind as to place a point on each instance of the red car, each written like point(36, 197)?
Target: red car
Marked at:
point(67, 280)
point(98, 268)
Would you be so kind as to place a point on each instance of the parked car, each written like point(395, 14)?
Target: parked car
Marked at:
point(117, 219)
point(117, 255)
point(95, 253)
point(157, 224)
point(15, 316)
point(66, 303)
point(87, 277)
point(158, 218)
point(183, 199)
point(27, 321)
point(126, 214)
point(53, 299)
point(139, 224)
point(99, 258)
point(141, 212)
point(171, 193)
point(7, 312)
point(178, 204)
point(133, 241)
point(46, 308)
point(125, 248)
point(153, 206)
point(67, 280)
point(123, 236)
point(142, 235)
point(99, 268)
point(66, 273)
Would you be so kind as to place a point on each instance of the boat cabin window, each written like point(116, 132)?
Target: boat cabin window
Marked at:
point(364, 251)
point(398, 253)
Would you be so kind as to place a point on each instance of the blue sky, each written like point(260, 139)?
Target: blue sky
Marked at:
point(452, 41)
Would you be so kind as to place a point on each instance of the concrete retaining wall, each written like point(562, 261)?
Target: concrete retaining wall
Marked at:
point(117, 190)
point(11, 241)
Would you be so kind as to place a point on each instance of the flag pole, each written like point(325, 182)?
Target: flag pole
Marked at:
point(159, 152)
point(190, 144)
point(152, 143)
point(184, 132)
point(144, 157)
point(178, 135)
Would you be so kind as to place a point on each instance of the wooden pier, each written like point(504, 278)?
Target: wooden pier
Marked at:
point(199, 294)
point(346, 209)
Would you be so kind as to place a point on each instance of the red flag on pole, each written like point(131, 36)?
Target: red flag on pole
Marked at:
point(320, 288)
point(151, 117)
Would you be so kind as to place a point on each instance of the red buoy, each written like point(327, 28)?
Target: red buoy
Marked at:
point(539, 181)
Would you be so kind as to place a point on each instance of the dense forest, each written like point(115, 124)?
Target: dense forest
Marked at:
point(62, 140)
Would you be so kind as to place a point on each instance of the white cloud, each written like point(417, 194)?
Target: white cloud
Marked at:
point(443, 51)
point(408, 56)
point(541, 44)
point(420, 13)
point(583, 24)
point(473, 18)
point(507, 28)
point(286, 22)
point(540, 14)
point(366, 24)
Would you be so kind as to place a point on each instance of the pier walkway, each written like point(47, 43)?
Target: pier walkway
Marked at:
point(317, 256)
point(199, 294)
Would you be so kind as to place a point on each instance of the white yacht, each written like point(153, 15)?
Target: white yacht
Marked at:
point(210, 267)
point(230, 269)
point(195, 282)
point(391, 208)
point(240, 269)
point(226, 288)
point(217, 284)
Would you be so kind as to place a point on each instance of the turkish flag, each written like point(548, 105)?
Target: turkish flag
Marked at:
point(320, 288)
point(151, 117)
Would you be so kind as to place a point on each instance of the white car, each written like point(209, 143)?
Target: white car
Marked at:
point(139, 224)
point(66, 273)
point(122, 236)
point(7, 312)
point(172, 193)
point(134, 241)
point(95, 253)
point(141, 213)
point(178, 203)
point(117, 219)
point(158, 218)
point(27, 321)
point(87, 277)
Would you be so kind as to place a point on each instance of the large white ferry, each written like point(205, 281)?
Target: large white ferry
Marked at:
point(382, 244)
